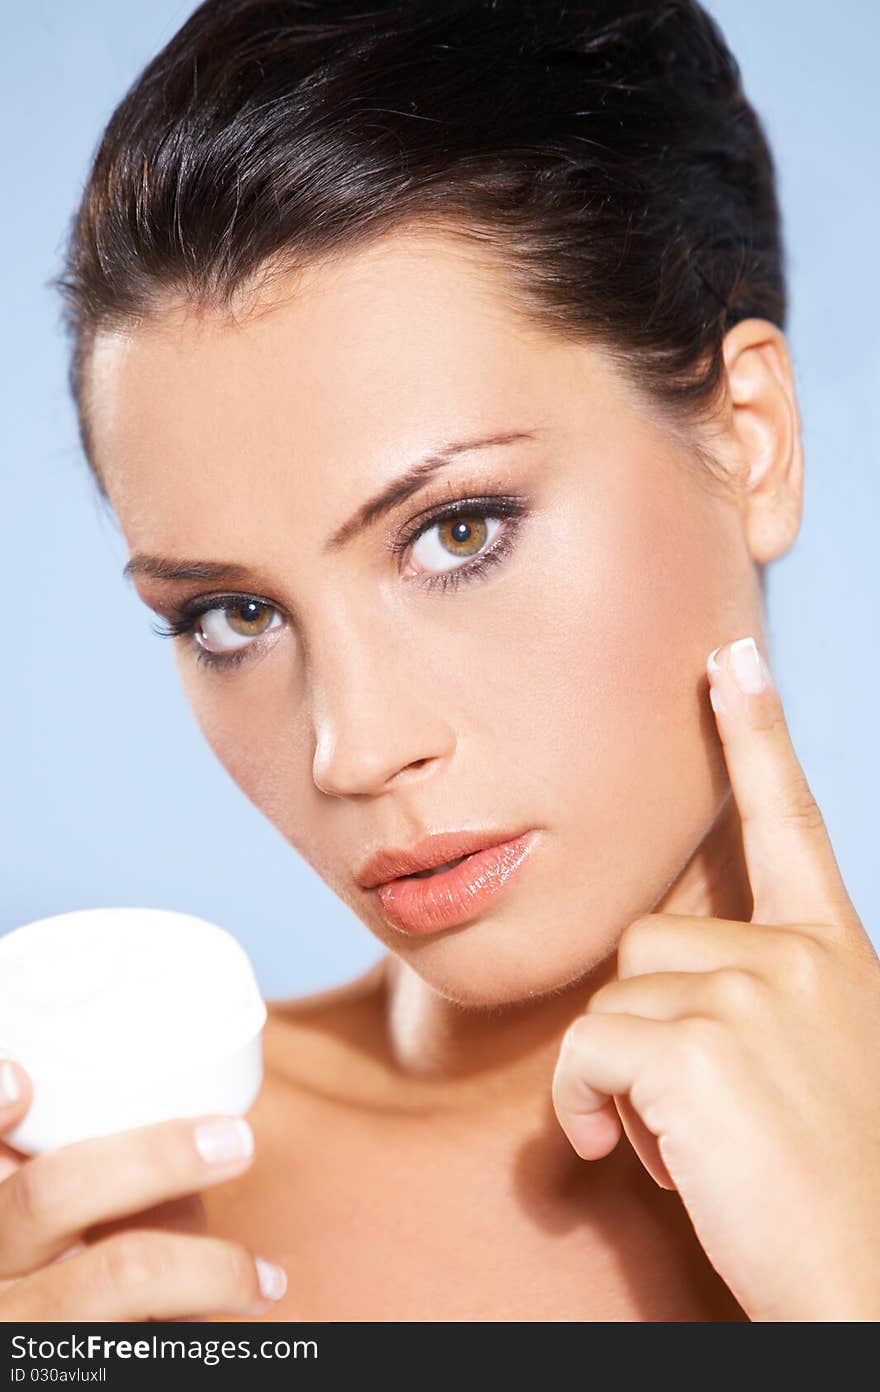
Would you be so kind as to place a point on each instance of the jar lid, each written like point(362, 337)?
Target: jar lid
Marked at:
point(138, 992)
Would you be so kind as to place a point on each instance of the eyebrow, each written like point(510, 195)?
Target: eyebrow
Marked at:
point(165, 568)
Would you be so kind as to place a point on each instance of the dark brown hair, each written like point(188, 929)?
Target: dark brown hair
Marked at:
point(604, 149)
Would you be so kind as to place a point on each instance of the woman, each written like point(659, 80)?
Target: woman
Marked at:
point(432, 361)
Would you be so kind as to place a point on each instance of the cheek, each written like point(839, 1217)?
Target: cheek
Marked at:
point(259, 743)
point(601, 694)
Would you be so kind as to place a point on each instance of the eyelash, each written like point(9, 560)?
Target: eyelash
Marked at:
point(509, 507)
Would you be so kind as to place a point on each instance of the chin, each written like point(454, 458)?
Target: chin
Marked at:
point(492, 963)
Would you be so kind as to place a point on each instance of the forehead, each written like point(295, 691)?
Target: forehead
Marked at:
point(338, 376)
point(380, 338)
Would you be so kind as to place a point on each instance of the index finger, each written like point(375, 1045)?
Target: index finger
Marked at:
point(55, 1196)
point(793, 871)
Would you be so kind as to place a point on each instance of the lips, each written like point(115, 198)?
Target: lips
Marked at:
point(430, 852)
point(418, 903)
point(426, 874)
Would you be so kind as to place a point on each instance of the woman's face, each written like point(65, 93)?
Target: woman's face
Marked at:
point(392, 688)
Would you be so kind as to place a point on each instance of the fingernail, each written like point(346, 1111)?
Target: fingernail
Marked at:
point(718, 705)
point(10, 1087)
point(219, 1142)
point(272, 1278)
point(749, 668)
point(713, 667)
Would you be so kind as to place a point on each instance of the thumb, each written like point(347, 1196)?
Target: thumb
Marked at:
point(16, 1095)
point(644, 1143)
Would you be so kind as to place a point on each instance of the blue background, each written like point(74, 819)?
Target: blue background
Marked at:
point(110, 795)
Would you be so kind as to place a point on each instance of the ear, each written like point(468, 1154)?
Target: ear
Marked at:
point(765, 435)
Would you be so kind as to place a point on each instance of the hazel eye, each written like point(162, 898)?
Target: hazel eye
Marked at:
point(452, 539)
point(247, 618)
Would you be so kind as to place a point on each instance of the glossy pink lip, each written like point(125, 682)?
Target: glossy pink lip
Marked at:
point(457, 896)
point(394, 861)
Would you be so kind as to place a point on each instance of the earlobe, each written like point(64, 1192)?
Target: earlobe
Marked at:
point(766, 424)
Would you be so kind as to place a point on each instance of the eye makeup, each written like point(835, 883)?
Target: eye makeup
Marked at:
point(185, 617)
point(509, 509)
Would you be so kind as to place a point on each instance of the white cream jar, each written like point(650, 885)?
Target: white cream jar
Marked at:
point(125, 1016)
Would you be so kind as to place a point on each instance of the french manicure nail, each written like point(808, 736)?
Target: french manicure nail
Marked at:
point(10, 1087)
point(748, 667)
point(221, 1142)
point(272, 1278)
point(712, 662)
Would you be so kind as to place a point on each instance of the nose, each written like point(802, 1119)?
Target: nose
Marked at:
point(377, 717)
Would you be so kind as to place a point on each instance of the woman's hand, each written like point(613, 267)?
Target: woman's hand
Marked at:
point(743, 1060)
point(50, 1203)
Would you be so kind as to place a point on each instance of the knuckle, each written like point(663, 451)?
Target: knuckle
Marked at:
point(575, 1035)
point(156, 1142)
point(799, 807)
point(631, 939)
point(570, 1056)
point(768, 716)
point(802, 812)
point(240, 1268)
point(160, 1149)
point(36, 1201)
point(130, 1261)
point(600, 998)
point(700, 1045)
point(801, 961)
point(738, 991)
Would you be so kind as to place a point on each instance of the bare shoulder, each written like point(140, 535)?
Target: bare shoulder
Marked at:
point(326, 1041)
point(338, 1004)
point(323, 1069)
